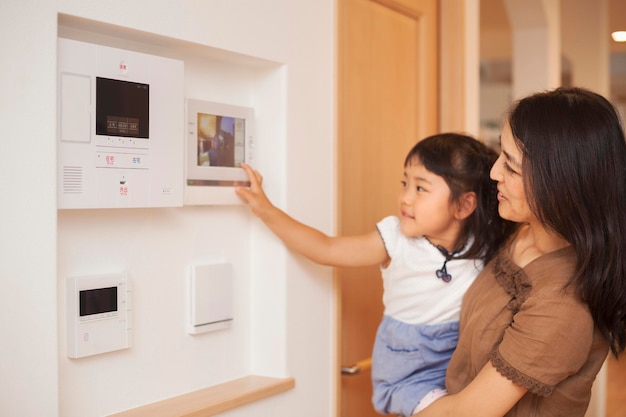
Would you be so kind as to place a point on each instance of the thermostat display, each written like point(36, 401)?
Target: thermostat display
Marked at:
point(98, 314)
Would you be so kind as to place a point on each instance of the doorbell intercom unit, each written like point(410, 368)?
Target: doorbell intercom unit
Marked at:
point(98, 314)
point(120, 128)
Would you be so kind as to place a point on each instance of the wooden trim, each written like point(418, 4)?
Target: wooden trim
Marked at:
point(452, 61)
point(400, 8)
point(214, 400)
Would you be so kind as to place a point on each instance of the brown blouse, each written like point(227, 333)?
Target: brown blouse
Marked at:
point(536, 332)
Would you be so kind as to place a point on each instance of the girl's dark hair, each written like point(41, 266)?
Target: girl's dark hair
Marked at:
point(464, 163)
point(574, 165)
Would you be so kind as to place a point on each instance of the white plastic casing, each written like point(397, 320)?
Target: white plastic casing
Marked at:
point(98, 314)
point(118, 168)
point(210, 297)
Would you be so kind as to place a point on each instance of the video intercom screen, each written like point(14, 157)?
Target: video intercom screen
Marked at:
point(221, 140)
point(122, 108)
point(100, 300)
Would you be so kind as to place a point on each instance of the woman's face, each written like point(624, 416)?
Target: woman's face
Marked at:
point(507, 171)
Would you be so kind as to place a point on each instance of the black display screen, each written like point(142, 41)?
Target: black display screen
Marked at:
point(122, 108)
point(100, 300)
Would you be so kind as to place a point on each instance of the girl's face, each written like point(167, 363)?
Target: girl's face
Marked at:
point(425, 208)
point(507, 171)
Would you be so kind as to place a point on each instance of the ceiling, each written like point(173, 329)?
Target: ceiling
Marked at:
point(494, 18)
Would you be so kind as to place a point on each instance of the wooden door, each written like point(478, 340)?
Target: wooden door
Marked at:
point(388, 99)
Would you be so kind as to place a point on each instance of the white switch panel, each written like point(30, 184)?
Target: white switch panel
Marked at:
point(210, 297)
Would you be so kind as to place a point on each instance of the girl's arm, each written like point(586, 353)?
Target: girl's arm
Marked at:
point(362, 250)
point(490, 394)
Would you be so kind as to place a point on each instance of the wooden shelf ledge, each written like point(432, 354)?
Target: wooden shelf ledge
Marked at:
point(214, 400)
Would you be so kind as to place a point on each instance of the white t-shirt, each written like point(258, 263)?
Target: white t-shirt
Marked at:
point(412, 292)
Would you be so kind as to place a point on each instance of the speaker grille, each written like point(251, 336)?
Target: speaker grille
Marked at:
point(72, 180)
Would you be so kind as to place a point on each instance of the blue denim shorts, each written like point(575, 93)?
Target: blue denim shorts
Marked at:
point(408, 362)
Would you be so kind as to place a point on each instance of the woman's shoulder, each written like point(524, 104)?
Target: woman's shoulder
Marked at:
point(535, 244)
point(555, 267)
point(559, 262)
point(550, 274)
point(546, 276)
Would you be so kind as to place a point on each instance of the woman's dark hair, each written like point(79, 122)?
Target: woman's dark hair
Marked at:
point(464, 163)
point(574, 165)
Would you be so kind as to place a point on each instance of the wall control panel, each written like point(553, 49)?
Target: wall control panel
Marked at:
point(98, 314)
point(120, 128)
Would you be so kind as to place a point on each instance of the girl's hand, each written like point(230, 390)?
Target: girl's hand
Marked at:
point(254, 195)
point(361, 250)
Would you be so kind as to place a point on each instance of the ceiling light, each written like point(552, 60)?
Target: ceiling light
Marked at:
point(619, 36)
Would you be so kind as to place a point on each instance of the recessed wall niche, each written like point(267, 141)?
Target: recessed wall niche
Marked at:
point(210, 74)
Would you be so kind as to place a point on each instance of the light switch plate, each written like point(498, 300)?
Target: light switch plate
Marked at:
point(210, 297)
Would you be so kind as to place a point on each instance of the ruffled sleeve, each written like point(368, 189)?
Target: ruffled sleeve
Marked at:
point(389, 229)
point(551, 334)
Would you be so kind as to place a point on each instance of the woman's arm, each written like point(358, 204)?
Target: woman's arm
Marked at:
point(362, 250)
point(490, 394)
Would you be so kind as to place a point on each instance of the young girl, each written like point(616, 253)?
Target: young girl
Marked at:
point(446, 228)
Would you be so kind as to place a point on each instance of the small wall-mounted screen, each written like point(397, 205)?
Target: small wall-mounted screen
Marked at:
point(122, 108)
point(96, 301)
point(221, 140)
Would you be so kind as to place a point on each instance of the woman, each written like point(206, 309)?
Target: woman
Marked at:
point(538, 322)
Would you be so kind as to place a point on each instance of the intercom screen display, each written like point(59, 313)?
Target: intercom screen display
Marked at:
point(221, 140)
point(122, 108)
point(100, 300)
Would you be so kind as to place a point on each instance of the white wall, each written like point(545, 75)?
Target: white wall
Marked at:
point(586, 43)
point(283, 304)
